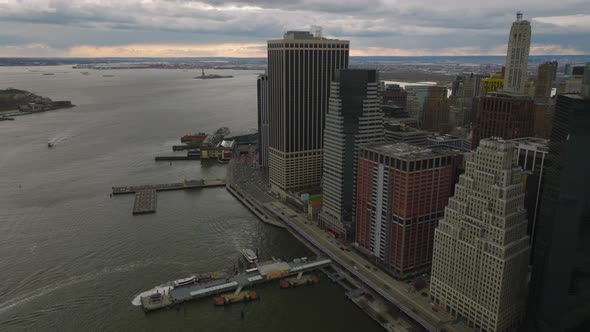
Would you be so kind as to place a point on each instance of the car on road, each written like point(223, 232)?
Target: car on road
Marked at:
point(356, 268)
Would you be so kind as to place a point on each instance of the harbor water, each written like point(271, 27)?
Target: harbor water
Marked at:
point(73, 258)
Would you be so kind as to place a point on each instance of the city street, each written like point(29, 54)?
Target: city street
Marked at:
point(253, 181)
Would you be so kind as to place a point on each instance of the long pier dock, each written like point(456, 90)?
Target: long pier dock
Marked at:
point(145, 202)
point(146, 195)
point(186, 184)
point(169, 294)
point(172, 158)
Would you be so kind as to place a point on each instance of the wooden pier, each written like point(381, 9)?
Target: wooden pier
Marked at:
point(186, 184)
point(145, 202)
point(146, 195)
point(173, 158)
point(182, 147)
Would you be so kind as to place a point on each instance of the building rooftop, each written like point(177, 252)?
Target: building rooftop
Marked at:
point(508, 95)
point(532, 143)
point(298, 35)
point(411, 152)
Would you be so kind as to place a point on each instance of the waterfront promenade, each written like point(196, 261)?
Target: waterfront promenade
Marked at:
point(415, 304)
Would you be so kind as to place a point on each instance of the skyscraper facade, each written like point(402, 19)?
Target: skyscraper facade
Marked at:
point(300, 69)
point(517, 60)
point(402, 192)
point(504, 115)
point(420, 92)
point(354, 117)
point(531, 155)
point(263, 130)
point(481, 248)
point(560, 283)
point(544, 81)
point(435, 113)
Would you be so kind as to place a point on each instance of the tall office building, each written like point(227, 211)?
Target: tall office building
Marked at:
point(544, 81)
point(531, 155)
point(300, 68)
point(402, 192)
point(481, 249)
point(263, 130)
point(354, 117)
point(504, 115)
point(544, 110)
point(393, 94)
point(555, 65)
point(517, 60)
point(560, 282)
point(435, 112)
point(420, 91)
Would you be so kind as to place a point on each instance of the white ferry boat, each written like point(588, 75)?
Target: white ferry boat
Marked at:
point(249, 255)
point(185, 281)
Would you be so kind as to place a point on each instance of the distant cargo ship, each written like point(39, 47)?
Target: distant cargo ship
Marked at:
point(193, 138)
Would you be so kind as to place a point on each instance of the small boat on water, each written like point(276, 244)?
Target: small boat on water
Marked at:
point(235, 298)
point(49, 144)
point(185, 281)
point(306, 279)
point(249, 255)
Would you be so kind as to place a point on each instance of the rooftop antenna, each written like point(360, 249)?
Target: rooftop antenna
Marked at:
point(518, 16)
point(316, 31)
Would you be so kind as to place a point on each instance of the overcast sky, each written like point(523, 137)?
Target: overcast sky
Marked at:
point(181, 28)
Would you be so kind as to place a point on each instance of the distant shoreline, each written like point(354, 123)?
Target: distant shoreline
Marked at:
point(223, 62)
point(16, 102)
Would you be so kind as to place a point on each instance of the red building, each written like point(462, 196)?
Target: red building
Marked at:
point(402, 191)
point(505, 116)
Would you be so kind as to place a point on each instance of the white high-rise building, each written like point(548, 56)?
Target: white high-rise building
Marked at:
point(354, 117)
point(481, 247)
point(517, 59)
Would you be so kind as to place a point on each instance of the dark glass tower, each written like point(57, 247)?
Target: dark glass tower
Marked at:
point(559, 298)
point(262, 92)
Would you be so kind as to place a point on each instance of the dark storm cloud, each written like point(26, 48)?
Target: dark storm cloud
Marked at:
point(417, 24)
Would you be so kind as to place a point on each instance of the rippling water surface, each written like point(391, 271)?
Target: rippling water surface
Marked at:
point(72, 258)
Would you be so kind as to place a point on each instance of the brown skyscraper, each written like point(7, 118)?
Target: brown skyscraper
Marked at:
point(544, 80)
point(435, 115)
point(503, 115)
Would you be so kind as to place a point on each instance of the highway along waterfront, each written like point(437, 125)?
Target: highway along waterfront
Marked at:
point(73, 257)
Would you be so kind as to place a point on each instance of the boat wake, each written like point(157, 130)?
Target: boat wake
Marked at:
point(62, 137)
point(29, 296)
